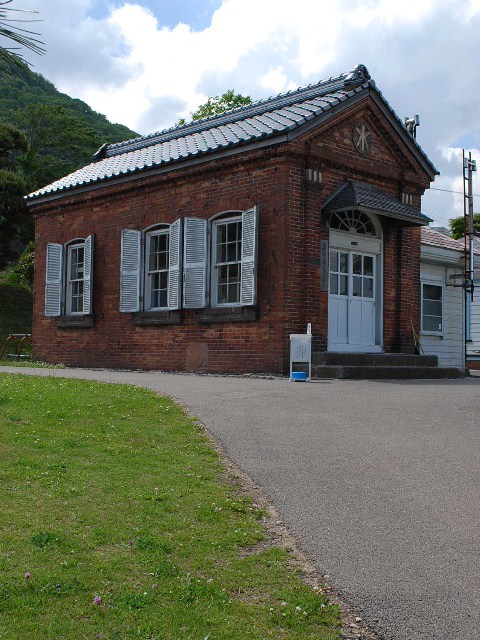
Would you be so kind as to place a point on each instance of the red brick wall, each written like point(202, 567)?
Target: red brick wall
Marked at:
point(115, 341)
point(288, 276)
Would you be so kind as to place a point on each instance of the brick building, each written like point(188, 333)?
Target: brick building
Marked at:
point(203, 247)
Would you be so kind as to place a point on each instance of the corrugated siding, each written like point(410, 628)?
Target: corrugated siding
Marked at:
point(450, 347)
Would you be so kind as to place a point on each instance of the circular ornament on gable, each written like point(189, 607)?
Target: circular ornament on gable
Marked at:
point(361, 138)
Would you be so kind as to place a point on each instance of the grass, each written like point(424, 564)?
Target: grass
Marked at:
point(118, 522)
point(35, 364)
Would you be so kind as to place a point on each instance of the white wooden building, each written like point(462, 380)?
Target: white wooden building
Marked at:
point(442, 311)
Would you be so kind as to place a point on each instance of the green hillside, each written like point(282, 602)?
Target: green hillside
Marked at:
point(63, 133)
point(44, 135)
point(21, 90)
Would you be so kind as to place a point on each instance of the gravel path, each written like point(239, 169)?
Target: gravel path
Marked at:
point(378, 481)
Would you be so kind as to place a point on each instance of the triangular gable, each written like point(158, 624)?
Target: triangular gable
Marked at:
point(363, 132)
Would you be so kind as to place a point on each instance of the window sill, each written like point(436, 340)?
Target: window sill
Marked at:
point(156, 318)
point(431, 334)
point(226, 314)
point(74, 322)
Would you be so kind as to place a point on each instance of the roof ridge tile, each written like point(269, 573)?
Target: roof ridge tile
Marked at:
point(259, 105)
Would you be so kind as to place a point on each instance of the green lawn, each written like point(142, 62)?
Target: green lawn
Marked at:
point(117, 522)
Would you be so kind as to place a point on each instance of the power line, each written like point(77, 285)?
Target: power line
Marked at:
point(460, 193)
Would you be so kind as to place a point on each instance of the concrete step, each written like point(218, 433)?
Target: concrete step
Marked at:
point(386, 372)
point(373, 359)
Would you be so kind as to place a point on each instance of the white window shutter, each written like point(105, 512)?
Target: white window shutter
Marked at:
point(174, 265)
point(88, 276)
point(130, 263)
point(53, 279)
point(248, 287)
point(195, 263)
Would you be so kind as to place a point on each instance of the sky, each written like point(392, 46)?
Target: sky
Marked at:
point(145, 64)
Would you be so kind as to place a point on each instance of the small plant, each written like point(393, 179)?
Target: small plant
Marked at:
point(44, 539)
point(22, 272)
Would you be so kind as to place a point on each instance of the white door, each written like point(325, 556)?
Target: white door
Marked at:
point(351, 303)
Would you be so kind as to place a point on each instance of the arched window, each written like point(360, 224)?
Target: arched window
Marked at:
point(157, 267)
point(68, 278)
point(353, 222)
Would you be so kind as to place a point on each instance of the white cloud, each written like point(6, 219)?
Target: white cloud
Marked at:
point(472, 9)
point(276, 81)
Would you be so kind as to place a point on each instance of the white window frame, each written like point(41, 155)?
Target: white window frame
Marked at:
point(158, 231)
point(435, 283)
point(70, 248)
point(135, 280)
point(215, 223)
point(58, 281)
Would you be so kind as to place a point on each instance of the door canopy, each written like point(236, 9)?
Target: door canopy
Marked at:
point(365, 198)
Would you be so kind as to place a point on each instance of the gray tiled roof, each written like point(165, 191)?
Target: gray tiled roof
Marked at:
point(362, 196)
point(263, 120)
point(435, 238)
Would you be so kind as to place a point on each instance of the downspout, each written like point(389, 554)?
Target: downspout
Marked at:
point(304, 215)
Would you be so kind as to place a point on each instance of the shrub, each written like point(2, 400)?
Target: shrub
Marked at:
point(22, 273)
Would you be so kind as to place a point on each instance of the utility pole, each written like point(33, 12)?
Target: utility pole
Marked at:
point(469, 166)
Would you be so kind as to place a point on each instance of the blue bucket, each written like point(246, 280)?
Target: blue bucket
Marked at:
point(298, 375)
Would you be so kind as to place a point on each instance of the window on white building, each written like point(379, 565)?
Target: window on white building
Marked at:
point(432, 307)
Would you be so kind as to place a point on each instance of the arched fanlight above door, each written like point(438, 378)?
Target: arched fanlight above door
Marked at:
point(353, 221)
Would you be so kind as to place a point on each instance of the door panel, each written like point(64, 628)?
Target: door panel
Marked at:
point(352, 309)
point(337, 321)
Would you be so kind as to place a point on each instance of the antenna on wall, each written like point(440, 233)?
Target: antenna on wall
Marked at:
point(411, 125)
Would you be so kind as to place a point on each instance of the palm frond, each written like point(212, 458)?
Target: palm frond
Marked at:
point(16, 34)
point(11, 60)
